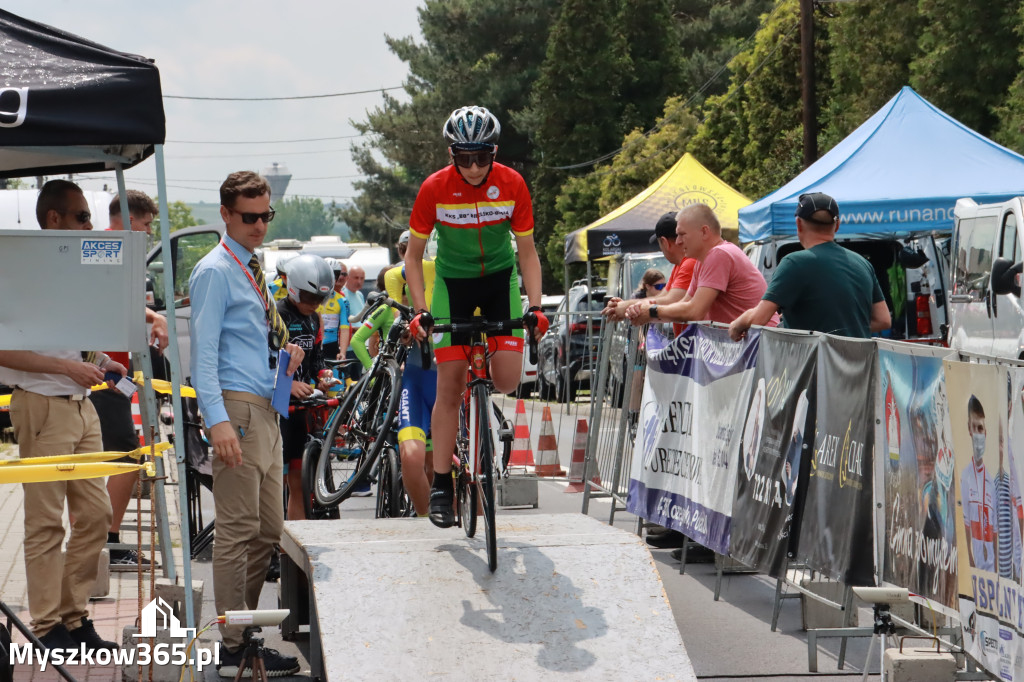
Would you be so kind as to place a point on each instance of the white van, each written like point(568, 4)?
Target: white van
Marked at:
point(986, 315)
point(372, 258)
point(911, 270)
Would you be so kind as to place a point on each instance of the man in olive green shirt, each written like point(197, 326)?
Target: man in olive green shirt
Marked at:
point(825, 287)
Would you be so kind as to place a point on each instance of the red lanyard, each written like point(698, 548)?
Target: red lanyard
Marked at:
point(264, 297)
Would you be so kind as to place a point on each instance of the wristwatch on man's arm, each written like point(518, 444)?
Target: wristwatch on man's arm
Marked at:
point(653, 311)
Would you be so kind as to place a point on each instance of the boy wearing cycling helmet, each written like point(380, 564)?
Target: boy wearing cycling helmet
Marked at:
point(334, 315)
point(310, 282)
point(473, 204)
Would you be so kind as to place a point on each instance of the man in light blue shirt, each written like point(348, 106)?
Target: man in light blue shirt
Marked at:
point(236, 334)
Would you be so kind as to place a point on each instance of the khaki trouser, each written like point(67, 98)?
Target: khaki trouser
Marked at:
point(249, 501)
point(58, 589)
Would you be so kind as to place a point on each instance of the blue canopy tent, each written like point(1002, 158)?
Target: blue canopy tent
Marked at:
point(899, 173)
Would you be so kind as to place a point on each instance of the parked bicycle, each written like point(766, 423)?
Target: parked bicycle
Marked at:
point(362, 426)
point(477, 473)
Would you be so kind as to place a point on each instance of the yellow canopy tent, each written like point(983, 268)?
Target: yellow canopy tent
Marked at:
point(628, 228)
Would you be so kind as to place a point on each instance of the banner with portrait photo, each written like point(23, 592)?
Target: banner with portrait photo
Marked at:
point(981, 409)
point(914, 466)
point(837, 517)
point(779, 416)
point(686, 449)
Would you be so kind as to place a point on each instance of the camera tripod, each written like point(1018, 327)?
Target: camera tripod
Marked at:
point(883, 628)
point(252, 657)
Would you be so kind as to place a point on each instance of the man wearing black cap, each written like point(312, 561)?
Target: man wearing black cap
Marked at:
point(678, 282)
point(825, 287)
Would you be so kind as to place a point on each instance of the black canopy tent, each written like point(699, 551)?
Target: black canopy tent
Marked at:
point(68, 105)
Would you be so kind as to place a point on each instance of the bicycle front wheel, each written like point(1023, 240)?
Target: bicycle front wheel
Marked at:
point(486, 474)
point(357, 434)
point(389, 485)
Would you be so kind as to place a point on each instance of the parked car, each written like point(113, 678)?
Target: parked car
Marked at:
point(528, 378)
point(567, 354)
point(986, 315)
point(188, 246)
point(911, 270)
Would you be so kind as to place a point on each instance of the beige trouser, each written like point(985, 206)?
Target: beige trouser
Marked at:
point(249, 502)
point(58, 589)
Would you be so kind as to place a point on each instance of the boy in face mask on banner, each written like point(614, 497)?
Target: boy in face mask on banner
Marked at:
point(978, 492)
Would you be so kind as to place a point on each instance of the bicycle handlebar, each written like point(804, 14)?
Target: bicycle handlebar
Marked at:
point(481, 326)
point(310, 403)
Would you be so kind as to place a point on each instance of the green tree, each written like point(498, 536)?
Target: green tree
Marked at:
point(300, 218)
point(964, 67)
point(750, 136)
point(179, 215)
point(484, 52)
point(1011, 114)
point(872, 47)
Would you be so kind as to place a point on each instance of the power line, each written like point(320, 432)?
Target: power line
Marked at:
point(308, 139)
point(280, 99)
point(263, 154)
point(324, 177)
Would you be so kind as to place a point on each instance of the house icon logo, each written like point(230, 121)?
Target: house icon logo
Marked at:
point(158, 615)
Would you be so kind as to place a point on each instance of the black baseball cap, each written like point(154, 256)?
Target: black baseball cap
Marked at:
point(811, 203)
point(666, 227)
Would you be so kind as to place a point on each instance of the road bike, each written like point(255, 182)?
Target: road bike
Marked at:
point(362, 426)
point(477, 473)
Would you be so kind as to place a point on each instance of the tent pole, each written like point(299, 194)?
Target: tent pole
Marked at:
point(174, 360)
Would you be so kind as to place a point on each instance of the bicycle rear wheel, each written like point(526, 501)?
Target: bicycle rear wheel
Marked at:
point(357, 434)
point(310, 456)
point(486, 474)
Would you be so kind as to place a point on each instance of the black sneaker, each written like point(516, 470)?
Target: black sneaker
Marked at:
point(58, 638)
point(275, 664)
point(87, 635)
point(442, 514)
point(274, 569)
point(127, 560)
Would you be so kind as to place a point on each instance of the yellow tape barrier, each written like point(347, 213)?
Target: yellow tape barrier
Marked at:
point(47, 473)
point(82, 457)
point(159, 385)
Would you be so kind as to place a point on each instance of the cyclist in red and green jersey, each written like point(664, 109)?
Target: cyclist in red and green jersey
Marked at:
point(474, 204)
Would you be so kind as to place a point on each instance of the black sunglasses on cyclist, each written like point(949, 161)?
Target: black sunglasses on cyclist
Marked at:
point(251, 218)
point(467, 159)
point(82, 217)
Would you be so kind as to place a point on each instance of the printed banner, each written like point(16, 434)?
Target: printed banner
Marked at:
point(686, 454)
point(778, 419)
point(983, 402)
point(836, 519)
point(915, 469)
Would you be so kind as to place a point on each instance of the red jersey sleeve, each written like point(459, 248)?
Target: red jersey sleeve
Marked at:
point(522, 217)
point(424, 210)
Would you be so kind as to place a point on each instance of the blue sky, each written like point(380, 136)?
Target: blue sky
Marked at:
point(252, 49)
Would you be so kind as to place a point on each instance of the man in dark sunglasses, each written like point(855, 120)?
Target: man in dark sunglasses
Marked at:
point(236, 334)
point(69, 212)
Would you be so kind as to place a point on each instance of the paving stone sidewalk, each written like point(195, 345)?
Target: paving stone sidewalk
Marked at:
point(111, 613)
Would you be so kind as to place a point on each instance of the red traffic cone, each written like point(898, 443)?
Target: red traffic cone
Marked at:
point(579, 454)
point(522, 452)
point(137, 418)
point(547, 448)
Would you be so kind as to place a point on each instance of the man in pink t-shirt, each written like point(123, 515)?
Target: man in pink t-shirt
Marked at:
point(724, 284)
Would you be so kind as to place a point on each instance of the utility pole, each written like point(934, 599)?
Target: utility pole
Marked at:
point(810, 104)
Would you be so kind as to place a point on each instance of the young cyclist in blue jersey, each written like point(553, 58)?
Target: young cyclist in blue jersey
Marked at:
point(334, 314)
point(474, 204)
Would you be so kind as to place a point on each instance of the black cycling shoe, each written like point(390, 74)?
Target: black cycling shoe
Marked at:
point(442, 513)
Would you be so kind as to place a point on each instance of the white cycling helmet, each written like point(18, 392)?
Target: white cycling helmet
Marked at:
point(471, 128)
point(404, 237)
point(335, 265)
point(311, 274)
